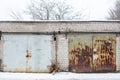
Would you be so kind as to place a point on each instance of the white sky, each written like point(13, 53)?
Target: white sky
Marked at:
point(91, 9)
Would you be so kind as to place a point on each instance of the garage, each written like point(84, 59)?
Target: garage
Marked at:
point(49, 46)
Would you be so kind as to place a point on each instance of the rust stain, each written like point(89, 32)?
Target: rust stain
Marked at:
point(80, 54)
point(100, 56)
point(81, 59)
point(105, 51)
point(24, 70)
point(29, 55)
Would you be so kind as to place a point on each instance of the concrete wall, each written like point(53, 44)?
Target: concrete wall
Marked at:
point(62, 26)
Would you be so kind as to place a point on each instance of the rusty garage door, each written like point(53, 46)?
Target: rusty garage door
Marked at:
point(27, 53)
point(104, 47)
point(91, 53)
point(80, 53)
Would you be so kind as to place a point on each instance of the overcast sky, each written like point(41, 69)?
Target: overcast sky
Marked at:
point(91, 9)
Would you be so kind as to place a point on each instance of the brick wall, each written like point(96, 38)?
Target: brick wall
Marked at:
point(1, 55)
point(118, 53)
point(62, 52)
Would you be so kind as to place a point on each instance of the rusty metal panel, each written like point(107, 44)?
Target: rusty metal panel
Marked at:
point(104, 57)
point(27, 53)
point(80, 53)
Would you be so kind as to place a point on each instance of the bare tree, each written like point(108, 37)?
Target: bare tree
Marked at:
point(16, 15)
point(114, 14)
point(50, 10)
point(62, 11)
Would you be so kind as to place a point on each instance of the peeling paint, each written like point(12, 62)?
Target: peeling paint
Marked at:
point(106, 52)
point(80, 53)
point(88, 53)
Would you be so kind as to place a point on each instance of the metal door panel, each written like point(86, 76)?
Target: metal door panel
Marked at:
point(104, 52)
point(41, 53)
point(14, 52)
point(80, 53)
point(27, 53)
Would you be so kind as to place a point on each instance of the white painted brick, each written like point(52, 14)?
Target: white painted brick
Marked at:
point(118, 53)
point(53, 52)
point(1, 49)
point(62, 52)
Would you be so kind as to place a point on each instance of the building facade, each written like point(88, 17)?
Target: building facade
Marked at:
point(46, 46)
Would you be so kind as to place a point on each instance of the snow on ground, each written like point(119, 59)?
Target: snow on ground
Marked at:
point(59, 76)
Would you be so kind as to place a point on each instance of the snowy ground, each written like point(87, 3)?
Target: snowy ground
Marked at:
point(59, 76)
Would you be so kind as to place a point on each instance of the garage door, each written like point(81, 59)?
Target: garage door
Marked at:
point(80, 53)
point(92, 53)
point(27, 53)
point(104, 47)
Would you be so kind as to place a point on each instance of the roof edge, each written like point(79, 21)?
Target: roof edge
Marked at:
point(57, 21)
